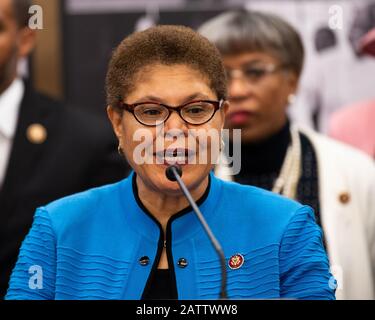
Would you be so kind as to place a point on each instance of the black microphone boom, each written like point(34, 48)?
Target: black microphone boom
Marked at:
point(174, 173)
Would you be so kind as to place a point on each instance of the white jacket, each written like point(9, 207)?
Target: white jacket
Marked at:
point(347, 203)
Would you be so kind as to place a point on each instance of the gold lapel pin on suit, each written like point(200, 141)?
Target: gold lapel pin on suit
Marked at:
point(344, 197)
point(36, 133)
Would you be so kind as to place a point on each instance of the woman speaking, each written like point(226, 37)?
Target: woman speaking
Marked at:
point(139, 238)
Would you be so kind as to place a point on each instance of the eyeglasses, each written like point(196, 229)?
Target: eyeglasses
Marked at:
point(152, 114)
point(253, 74)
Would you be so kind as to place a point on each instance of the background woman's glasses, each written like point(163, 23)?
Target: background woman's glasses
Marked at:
point(251, 73)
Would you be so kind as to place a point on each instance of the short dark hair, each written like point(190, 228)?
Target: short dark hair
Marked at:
point(242, 31)
point(21, 12)
point(165, 44)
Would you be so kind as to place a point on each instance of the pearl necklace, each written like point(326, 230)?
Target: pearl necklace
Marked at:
point(290, 173)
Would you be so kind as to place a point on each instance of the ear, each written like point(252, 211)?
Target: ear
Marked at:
point(27, 38)
point(116, 119)
point(292, 82)
point(224, 109)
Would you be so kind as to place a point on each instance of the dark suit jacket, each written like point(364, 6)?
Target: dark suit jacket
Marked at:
point(80, 152)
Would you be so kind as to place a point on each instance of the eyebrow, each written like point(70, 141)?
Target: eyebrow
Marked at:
point(251, 63)
point(254, 62)
point(191, 97)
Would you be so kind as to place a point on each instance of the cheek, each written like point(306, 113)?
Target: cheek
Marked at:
point(136, 141)
point(217, 121)
point(273, 97)
point(127, 130)
point(5, 48)
point(212, 131)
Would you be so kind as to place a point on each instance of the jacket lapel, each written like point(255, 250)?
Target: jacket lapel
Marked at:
point(28, 144)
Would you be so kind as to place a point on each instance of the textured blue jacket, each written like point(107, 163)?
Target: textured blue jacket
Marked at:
point(89, 246)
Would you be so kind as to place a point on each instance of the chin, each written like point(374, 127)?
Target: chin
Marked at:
point(192, 175)
point(252, 134)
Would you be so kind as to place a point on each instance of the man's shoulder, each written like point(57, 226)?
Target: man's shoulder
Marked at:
point(55, 106)
point(74, 119)
point(40, 103)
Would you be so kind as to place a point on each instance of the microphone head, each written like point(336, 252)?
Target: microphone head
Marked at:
point(170, 172)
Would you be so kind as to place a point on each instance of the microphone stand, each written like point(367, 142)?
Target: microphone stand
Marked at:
point(174, 173)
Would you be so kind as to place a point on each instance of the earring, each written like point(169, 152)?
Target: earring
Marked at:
point(119, 150)
point(222, 142)
point(291, 99)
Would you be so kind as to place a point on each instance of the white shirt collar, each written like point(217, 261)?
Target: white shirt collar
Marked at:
point(10, 102)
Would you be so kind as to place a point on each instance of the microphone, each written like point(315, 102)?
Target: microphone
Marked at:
point(169, 172)
point(174, 173)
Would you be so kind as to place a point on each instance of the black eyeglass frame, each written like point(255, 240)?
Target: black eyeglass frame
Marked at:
point(130, 108)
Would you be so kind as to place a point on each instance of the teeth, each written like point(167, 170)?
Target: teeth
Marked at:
point(175, 159)
point(173, 156)
point(175, 153)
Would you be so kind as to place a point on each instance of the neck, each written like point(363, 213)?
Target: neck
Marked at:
point(268, 155)
point(163, 206)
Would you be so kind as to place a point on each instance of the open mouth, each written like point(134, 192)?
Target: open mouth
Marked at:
point(170, 156)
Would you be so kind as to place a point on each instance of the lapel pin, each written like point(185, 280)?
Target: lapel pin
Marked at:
point(36, 133)
point(344, 197)
point(236, 261)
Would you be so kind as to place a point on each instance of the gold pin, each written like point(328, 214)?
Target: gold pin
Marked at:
point(36, 133)
point(344, 197)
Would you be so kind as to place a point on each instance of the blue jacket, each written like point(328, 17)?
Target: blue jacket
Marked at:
point(91, 245)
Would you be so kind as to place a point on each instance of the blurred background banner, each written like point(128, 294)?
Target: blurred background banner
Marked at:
point(47, 59)
point(79, 36)
point(92, 28)
point(335, 74)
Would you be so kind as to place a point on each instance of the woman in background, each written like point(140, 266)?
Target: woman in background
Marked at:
point(263, 56)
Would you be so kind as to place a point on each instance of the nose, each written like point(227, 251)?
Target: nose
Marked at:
point(174, 134)
point(239, 89)
point(175, 122)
